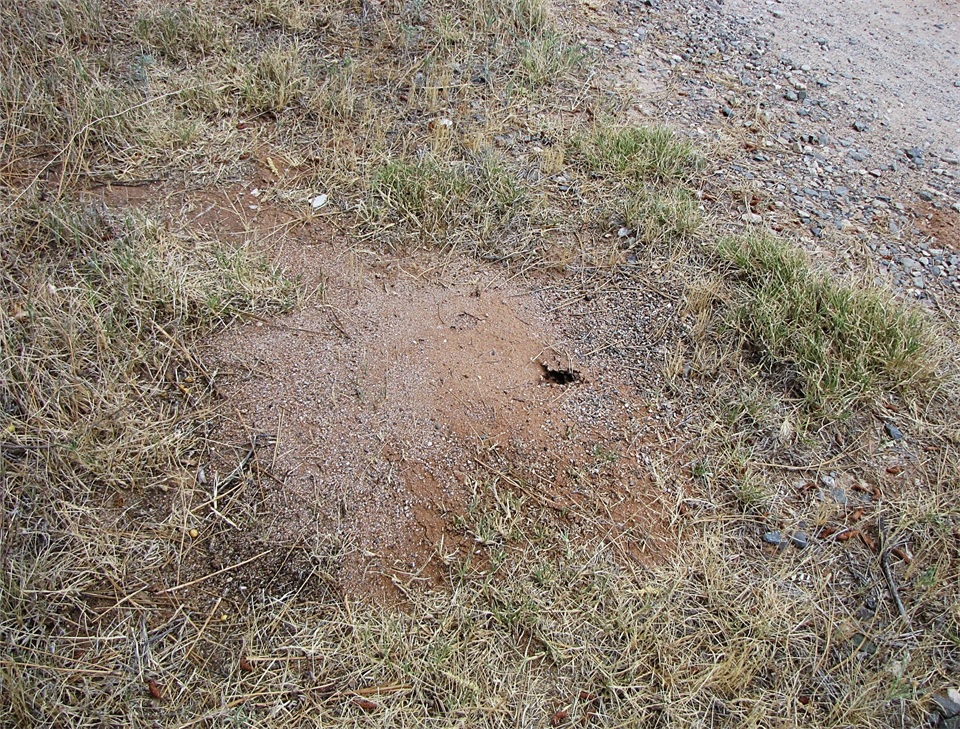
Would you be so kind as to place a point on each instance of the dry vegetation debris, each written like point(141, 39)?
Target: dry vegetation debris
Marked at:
point(475, 129)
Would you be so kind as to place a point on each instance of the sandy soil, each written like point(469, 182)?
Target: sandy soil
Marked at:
point(380, 409)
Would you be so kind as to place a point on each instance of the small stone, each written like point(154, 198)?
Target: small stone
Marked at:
point(862, 644)
point(859, 126)
point(790, 96)
point(948, 703)
point(893, 431)
point(925, 195)
point(868, 609)
point(915, 154)
point(775, 538)
point(799, 540)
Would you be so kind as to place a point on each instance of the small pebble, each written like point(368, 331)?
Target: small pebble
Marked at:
point(893, 431)
point(948, 703)
point(775, 538)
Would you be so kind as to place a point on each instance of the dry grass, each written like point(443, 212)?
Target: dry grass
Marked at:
point(428, 124)
point(639, 153)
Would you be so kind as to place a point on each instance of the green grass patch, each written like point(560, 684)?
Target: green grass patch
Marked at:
point(836, 343)
point(447, 202)
point(546, 58)
point(639, 153)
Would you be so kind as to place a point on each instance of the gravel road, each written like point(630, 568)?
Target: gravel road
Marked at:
point(840, 121)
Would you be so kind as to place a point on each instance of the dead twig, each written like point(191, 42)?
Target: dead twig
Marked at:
point(887, 574)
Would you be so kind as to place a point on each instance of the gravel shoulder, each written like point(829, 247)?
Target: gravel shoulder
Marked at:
point(835, 123)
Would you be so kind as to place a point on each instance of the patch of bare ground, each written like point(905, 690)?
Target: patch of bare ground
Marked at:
point(406, 385)
point(941, 225)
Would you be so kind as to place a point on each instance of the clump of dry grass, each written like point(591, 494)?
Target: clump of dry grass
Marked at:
point(181, 33)
point(577, 634)
point(97, 313)
point(100, 398)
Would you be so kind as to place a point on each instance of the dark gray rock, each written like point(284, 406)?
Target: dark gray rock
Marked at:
point(838, 495)
point(893, 431)
point(948, 703)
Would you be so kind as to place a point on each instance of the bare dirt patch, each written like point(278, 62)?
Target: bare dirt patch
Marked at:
point(942, 225)
point(405, 386)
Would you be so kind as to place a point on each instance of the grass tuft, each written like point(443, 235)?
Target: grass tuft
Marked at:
point(278, 79)
point(546, 58)
point(837, 343)
point(180, 33)
point(471, 205)
point(662, 216)
point(640, 153)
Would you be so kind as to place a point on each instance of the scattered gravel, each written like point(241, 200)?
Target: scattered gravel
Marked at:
point(819, 99)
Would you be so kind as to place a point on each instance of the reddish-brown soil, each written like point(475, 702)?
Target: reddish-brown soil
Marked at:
point(401, 393)
point(941, 224)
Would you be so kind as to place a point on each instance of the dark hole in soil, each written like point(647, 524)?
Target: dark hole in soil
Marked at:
point(559, 376)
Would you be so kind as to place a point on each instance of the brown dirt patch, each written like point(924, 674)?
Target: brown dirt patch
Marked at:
point(941, 224)
point(401, 391)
